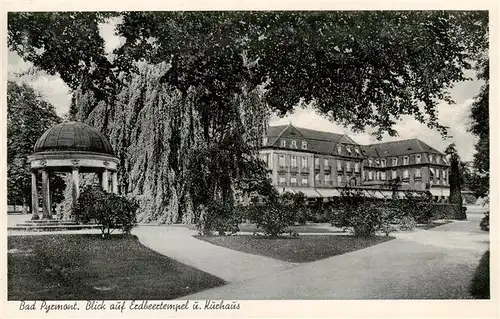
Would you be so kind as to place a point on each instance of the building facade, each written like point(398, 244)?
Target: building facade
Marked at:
point(319, 164)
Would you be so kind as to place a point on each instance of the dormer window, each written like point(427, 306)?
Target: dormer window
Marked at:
point(437, 159)
point(283, 143)
point(357, 150)
point(348, 149)
point(382, 163)
point(294, 144)
point(377, 161)
point(264, 141)
point(418, 159)
point(395, 161)
point(304, 145)
point(339, 149)
point(406, 160)
point(430, 158)
point(370, 162)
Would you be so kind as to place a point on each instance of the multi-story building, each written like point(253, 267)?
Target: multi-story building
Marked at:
point(319, 163)
point(412, 163)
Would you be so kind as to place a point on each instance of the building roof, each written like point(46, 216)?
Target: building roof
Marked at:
point(325, 142)
point(317, 141)
point(400, 147)
point(73, 136)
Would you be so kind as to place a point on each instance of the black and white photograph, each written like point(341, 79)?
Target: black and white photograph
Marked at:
point(192, 160)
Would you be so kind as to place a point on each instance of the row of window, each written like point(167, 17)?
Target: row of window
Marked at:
point(438, 159)
point(382, 176)
point(304, 181)
point(292, 144)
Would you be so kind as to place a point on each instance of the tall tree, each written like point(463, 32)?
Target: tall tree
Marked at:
point(455, 178)
point(28, 116)
point(363, 68)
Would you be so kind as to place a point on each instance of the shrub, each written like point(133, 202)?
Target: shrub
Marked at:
point(109, 210)
point(485, 222)
point(221, 218)
point(275, 215)
point(368, 218)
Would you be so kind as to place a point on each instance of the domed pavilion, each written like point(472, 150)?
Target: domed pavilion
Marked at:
point(71, 147)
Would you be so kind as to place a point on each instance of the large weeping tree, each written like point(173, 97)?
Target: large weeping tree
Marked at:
point(190, 92)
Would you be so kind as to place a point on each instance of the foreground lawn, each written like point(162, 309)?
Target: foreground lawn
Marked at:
point(301, 249)
point(86, 267)
point(480, 288)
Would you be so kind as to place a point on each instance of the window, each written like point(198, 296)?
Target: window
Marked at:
point(264, 141)
point(294, 161)
point(326, 161)
point(339, 149)
point(264, 158)
point(370, 162)
point(357, 150)
point(418, 173)
point(418, 159)
point(430, 158)
point(282, 160)
point(304, 145)
point(406, 174)
point(348, 149)
point(437, 159)
point(406, 160)
point(356, 167)
point(348, 166)
point(283, 143)
point(394, 174)
point(370, 175)
point(437, 172)
point(378, 176)
point(293, 180)
point(395, 161)
point(384, 176)
point(316, 161)
point(316, 177)
point(382, 163)
point(445, 160)
point(304, 162)
point(327, 178)
point(293, 144)
point(363, 175)
point(339, 165)
point(305, 181)
point(339, 180)
point(282, 180)
point(377, 162)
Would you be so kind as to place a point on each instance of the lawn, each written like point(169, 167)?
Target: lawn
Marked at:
point(304, 248)
point(432, 224)
point(304, 229)
point(86, 267)
point(480, 288)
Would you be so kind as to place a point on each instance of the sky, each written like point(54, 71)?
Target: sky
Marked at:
point(456, 116)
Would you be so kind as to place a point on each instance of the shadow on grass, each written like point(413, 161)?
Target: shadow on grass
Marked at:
point(480, 288)
point(87, 267)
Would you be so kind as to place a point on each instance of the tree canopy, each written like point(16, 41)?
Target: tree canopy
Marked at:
point(360, 68)
point(28, 117)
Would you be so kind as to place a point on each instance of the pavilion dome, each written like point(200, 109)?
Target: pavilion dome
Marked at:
point(73, 136)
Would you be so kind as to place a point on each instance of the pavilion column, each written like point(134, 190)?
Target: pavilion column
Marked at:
point(114, 178)
point(76, 184)
point(105, 180)
point(47, 212)
point(34, 197)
